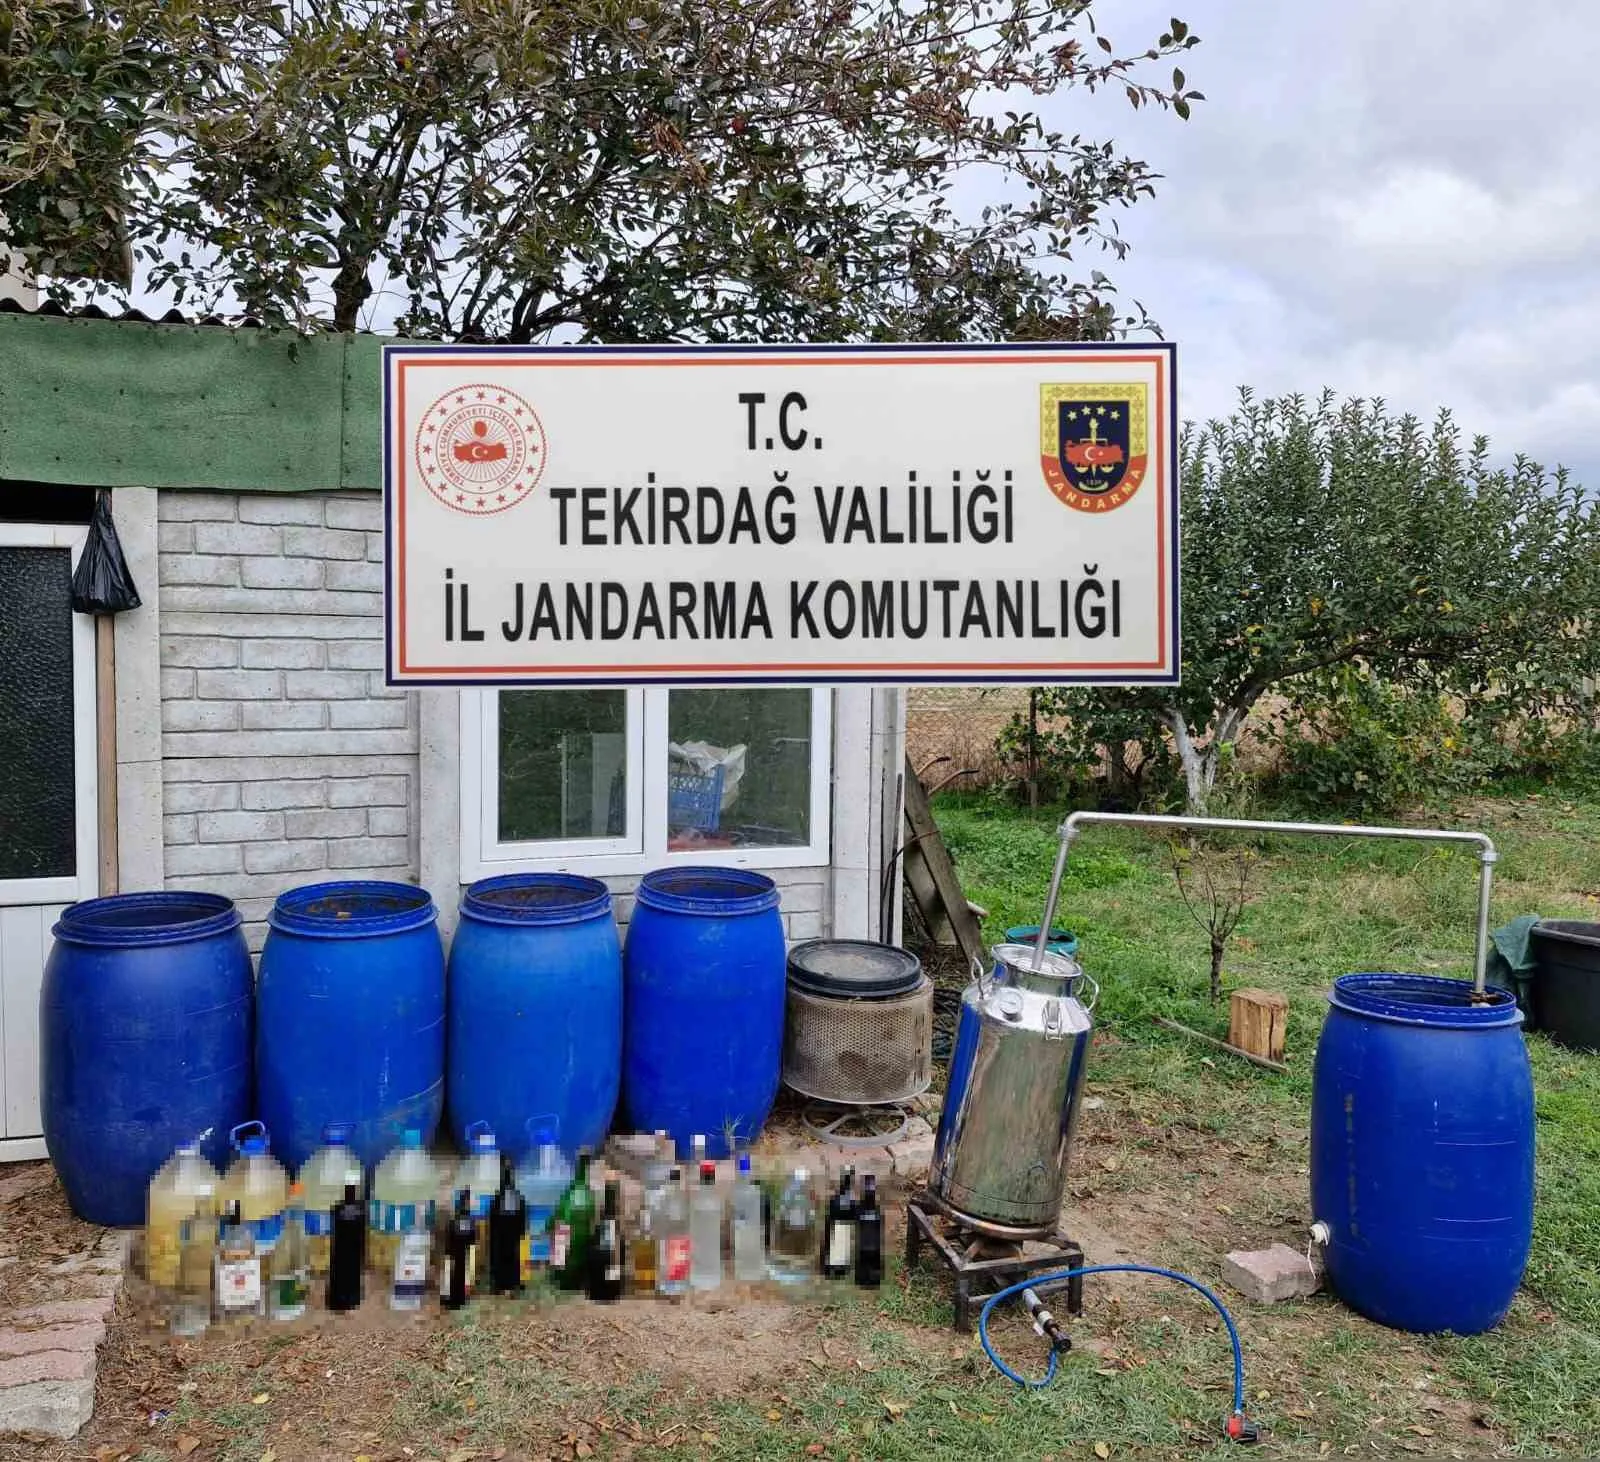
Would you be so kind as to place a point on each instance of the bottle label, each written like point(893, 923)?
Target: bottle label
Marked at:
point(289, 1295)
point(318, 1224)
point(560, 1242)
point(841, 1245)
point(447, 1269)
point(399, 1218)
point(411, 1267)
point(675, 1259)
point(538, 1240)
point(239, 1284)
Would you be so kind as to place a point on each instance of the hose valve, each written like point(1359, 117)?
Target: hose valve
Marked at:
point(1044, 1323)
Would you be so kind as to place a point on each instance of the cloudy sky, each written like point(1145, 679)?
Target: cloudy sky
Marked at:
point(1387, 198)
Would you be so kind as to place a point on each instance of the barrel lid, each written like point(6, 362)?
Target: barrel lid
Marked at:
point(1424, 1000)
point(353, 909)
point(536, 898)
point(167, 916)
point(854, 969)
point(713, 892)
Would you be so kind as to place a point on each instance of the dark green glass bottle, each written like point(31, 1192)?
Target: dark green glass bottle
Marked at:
point(572, 1230)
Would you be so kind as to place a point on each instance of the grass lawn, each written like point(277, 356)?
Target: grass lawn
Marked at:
point(1185, 1154)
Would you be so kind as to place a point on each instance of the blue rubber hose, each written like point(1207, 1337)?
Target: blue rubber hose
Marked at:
point(1060, 1276)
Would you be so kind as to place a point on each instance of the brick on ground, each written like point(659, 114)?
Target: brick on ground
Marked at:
point(1270, 1276)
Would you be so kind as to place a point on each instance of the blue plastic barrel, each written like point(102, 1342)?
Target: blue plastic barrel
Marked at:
point(703, 977)
point(1422, 1151)
point(535, 1028)
point(144, 1042)
point(350, 1018)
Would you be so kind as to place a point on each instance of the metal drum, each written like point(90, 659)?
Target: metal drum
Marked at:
point(1012, 1101)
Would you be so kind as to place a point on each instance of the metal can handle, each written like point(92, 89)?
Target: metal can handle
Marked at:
point(980, 973)
point(1052, 1020)
point(1084, 975)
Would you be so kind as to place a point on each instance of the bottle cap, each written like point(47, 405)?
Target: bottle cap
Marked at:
point(336, 1134)
point(801, 1175)
point(744, 1162)
point(676, 1175)
point(480, 1136)
point(295, 1190)
point(708, 1171)
point(411, 1137)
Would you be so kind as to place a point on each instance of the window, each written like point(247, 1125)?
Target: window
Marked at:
point(619, 781)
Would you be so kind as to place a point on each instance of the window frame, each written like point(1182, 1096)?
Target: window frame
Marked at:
point(644, 844)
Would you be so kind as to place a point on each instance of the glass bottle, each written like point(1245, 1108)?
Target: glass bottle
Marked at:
point(238, 1269)
point(642, 1249)
point(508, 1227)
point(573, 1230)
point(672, 1252)
point(606, 1252)
point(460, 1249)
point(347, 1251)
point(792, 1257)
point(705, 1231)
point(839, 1233)
point(749, 1235)
point(286, 1294)
point(869, 1236)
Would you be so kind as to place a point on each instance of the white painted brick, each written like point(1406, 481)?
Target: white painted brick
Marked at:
point(177, 685)
point(175, 537)
point(375, 547)
point(361, 576)
point(388, 822)
point(801, 898)
point(299, 744)
point(370, 852)
point(240, 827)
point(200, 796)
point(287, 573)
point(257, 621)
point(199, 716)
point(285, 716)
point(366, 715)
point(379, 689)
point(274, 796)
point(201, 859)
point(387, 873)
point(269, 604)
point(239, 685)
point(302, 508)
point(323, 543)
point(355, 512)
point(325, 685)
point(205, 651)
point(197, 507)
point(369, 792)
point(237, 766)
point(215, 570)
point(238, 538)
point(803, 926)
point(356, 655)
point(343, 822)
point(285, 857)
point(284, 654)
point(178, 828)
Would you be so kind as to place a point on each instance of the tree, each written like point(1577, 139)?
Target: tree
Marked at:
point(624, 170)
point(1317, 535)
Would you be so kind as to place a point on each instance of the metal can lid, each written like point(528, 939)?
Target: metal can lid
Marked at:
point(853, 969)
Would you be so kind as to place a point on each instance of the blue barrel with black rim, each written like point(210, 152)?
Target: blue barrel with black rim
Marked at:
point(350, 1017)
point(1422, 1151)
point(704, 987)
point(144, 1042)
point(535, 1010)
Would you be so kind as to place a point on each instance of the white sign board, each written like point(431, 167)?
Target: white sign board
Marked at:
point(711, 514)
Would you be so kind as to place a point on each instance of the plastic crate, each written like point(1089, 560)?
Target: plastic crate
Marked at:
point(694, 799)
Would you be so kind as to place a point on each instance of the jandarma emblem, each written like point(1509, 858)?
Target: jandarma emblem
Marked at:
point(481, 449)
point(1094, 443)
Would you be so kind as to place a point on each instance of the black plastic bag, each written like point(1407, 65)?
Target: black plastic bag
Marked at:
point(102, 583)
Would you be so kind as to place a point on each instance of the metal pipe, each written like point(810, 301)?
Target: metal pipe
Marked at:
point(1487, 858)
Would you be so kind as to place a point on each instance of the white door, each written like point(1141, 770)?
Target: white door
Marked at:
point(48, 854)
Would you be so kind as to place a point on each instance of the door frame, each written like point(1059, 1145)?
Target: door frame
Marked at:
point(85, 883)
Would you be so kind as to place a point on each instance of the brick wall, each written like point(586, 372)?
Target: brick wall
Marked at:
point(285, 758)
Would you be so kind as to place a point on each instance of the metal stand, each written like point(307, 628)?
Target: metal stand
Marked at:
point(873, 1126)
point(978, 1256)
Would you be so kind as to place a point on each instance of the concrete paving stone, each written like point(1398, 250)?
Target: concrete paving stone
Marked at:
point(1269, 1276)
point(58, 1409)
point(46, 1365)
point(95, 1307)
point(82, 1336)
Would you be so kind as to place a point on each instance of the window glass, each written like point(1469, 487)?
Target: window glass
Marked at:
point(563, 764)
point(739, 769)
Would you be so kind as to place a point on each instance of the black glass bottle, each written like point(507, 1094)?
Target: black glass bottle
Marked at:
point(347, 1251)
point(508, 1222)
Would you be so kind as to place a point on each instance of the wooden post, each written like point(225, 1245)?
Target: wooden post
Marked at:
point(1258, 1021)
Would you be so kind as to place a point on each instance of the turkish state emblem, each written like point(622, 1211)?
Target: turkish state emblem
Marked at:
point(1094, 443)
point(480, 449)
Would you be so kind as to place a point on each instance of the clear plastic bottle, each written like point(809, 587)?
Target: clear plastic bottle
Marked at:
point(795, 1236)
point(191, 1308)
point(324, 1176)
point(405, 1187)
point(286, 1279)
point(705, 1231)
point(749, 1227)
point(184, 1187)
point(257, 1182)
point(672, 1238)
point(479, 1174)
point(544, 1176)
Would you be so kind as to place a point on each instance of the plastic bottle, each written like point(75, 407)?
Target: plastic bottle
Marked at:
point(286, 1286)
point(572, 1231)
point(185, 1186)
point(508, 1230)
point(240, 1293)
point(456, 1274)
point(749, 1227)
point(869, 1236)
point(347, 1251)
point(404, 1189)
point(479, 1174)
point(705, 1231)
point(191, 1308)
point(257, 1182)
point(544, 1176)
point(673, 1241)
point(324, 1176)
point(793, 1256)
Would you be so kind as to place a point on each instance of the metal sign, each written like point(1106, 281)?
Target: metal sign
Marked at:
point(570, 515)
